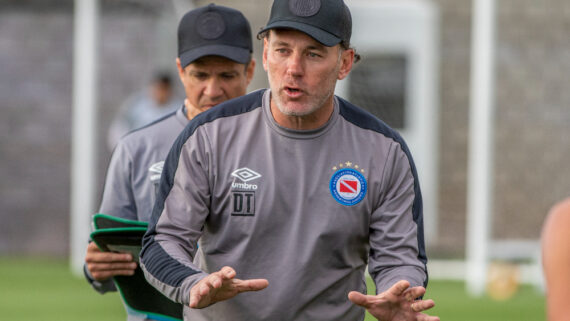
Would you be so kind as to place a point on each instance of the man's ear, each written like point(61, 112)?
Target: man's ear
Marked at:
point(250, 70)
point(180, 69)
point(265, 49)
point(346, 62)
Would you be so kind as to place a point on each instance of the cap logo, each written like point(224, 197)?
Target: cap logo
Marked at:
point(304, 8)
point(210, 25)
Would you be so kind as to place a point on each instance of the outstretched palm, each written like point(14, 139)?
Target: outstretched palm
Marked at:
point(396, 304)
point(220, 286)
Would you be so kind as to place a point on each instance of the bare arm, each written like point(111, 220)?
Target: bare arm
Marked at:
point(556, 261)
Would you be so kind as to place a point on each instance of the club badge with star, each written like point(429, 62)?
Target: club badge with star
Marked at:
point(348, 185)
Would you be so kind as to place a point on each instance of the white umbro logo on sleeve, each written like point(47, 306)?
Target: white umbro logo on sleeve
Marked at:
point(155, 170)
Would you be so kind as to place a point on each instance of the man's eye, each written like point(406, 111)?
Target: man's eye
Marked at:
point(313, 55)
point(228, 76)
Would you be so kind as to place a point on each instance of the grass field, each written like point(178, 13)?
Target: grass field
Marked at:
point(44, 290)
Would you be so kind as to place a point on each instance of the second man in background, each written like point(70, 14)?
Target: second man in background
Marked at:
point(214, 64)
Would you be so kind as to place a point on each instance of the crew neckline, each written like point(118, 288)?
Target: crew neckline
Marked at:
point(296, 133)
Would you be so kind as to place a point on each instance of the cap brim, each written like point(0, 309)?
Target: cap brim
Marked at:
point(237, 54)
point(318, 34)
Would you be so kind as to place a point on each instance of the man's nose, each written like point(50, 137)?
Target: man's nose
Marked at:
point(295, 65)
point(213, 88)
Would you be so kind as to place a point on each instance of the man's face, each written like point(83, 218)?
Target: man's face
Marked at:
point(302, 72)
point(211, 80)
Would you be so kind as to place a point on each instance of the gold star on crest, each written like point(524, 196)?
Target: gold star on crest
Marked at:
point(348, 164)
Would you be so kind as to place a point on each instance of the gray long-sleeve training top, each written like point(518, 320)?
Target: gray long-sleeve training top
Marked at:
point(306, 210)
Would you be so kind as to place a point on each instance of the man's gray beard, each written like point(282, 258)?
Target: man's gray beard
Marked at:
point(282, 109)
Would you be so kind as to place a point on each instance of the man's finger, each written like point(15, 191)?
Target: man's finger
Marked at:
point(93, 267)
point(425, 317)
point(103, 275)
point(358, 298)
point(415, 307)
point(95, 254)
point(212, 281)
point(414, 293)
point(194, 298)
point(251, 285)
point(422, 305)
point(199, 291)
point(92, 247)
point(227, 273)
point(205, 287)
point(215, 281)
point(114, 265)
point(108, 257)
point(399, 288)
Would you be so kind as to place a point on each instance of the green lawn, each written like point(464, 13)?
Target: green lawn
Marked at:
point(44, 290)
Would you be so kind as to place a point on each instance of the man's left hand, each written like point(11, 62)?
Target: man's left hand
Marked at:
point(396, 304)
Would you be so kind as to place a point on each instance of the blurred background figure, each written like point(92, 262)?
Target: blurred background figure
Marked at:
point(556, 261)
point(144, 107)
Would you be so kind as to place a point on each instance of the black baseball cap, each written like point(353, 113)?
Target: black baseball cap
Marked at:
point(327, 21)
point(214, 31)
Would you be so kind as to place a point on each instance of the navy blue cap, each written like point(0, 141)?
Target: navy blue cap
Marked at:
point(214, 31)
point(327, 21)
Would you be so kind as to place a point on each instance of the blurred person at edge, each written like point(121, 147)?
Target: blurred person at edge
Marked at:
point(214, 65)
point(144, 107)
point(556, 261)
point(290, 193)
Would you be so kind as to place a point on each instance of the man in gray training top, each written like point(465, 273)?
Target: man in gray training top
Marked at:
point(291, 192)
point(214, 64)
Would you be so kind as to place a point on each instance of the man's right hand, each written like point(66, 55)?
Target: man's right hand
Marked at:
point(103, 265)
point(220, 286)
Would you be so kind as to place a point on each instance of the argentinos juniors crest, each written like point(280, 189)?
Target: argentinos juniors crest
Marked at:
point(348, 185)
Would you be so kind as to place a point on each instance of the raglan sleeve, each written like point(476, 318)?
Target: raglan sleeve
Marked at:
point(117, 200)
point(397, 250)
point(181, 208)
point(118, 196)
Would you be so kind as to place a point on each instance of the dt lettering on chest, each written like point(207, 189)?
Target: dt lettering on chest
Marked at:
point(243, 191)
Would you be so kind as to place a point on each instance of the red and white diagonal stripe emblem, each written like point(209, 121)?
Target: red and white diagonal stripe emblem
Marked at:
point(348, 186)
